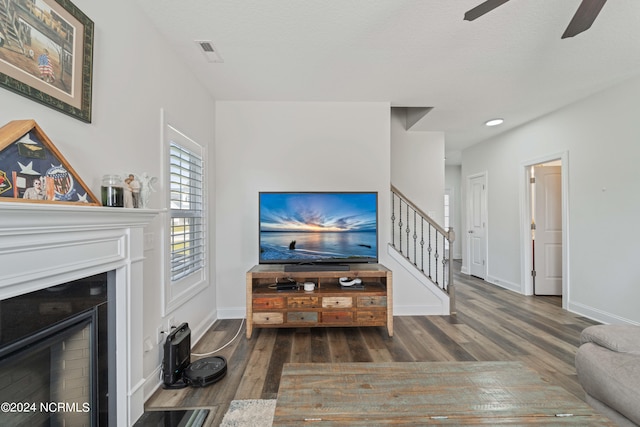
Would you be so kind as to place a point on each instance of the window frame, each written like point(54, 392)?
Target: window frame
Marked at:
point(178, 291)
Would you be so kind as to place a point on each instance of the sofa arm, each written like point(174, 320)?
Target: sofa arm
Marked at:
point(618, 338)
point(611, 378)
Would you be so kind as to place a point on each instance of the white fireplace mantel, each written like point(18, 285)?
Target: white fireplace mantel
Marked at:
point(43, 245)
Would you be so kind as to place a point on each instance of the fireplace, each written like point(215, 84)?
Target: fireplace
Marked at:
point(55, 354)
point(71, 277)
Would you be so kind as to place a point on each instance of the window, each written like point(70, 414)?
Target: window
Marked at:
point(187, 211)
point(185, 267)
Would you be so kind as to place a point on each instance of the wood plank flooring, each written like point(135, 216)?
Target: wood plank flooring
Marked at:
point(492, 324)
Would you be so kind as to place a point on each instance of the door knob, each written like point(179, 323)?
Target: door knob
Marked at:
point(470, 231)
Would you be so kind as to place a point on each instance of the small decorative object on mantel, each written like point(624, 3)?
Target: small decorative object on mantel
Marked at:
point(146, 183)
point(33, 170)
point(113, 191)
point(129, 190)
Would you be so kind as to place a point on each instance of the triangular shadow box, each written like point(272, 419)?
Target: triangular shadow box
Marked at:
point(33, 170)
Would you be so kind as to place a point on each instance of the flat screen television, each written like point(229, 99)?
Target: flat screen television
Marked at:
point(311, 228)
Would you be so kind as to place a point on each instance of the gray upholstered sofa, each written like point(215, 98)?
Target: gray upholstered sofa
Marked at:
point(608, 366)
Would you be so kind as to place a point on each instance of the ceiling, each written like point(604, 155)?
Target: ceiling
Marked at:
point(509, 63)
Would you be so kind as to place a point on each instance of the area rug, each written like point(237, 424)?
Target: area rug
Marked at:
point(250, 413)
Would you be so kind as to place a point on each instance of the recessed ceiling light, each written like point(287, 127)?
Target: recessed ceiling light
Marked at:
point(494, 122)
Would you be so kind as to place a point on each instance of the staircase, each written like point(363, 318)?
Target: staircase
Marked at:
point(422, 242)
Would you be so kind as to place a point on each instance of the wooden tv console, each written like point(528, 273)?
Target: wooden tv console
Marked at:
point(328, 304)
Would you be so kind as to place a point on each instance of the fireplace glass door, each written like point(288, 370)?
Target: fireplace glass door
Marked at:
point(48, 383)
point(54, 356)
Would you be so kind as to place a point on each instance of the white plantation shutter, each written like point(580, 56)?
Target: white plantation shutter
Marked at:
point(187, 234)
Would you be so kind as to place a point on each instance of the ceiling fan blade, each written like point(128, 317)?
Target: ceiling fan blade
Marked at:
point(584, 17)
point(483, 8)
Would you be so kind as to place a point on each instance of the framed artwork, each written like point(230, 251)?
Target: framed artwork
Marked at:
point(32, 169)
point(46, 54)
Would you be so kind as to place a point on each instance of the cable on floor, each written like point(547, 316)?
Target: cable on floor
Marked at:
point(224, 346)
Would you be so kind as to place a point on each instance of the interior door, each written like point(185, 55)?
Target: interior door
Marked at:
point(477, 226)
point(547, 250)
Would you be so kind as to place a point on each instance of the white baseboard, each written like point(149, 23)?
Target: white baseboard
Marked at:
point(418, 310)
point(598, 315)
point(515, 287)
point(152, 382)
point(574, 307)
point(232, 313)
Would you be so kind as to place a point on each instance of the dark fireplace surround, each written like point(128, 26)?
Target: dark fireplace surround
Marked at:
point(55, 354)
point(71, 277)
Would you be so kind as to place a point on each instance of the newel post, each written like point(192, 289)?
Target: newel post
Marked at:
point(451, 237)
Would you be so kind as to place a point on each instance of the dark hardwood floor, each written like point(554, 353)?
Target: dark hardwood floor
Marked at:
point(492, 324)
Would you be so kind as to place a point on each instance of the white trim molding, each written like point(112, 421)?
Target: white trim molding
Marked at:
point(423, 310)
point(525, 230)
point(72, 242)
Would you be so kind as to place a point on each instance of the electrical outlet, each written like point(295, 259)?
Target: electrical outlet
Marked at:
point(148, 346)
point(160, 335)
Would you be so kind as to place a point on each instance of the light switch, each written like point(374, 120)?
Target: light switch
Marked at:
point(149, 241)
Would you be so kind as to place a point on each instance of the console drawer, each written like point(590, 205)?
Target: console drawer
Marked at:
point(302, 302)
point(261, 303)
point(337, 317)
point(337, 302)
point(372, 301)
point(302, 317)
point(372, 317)
point(268, 318)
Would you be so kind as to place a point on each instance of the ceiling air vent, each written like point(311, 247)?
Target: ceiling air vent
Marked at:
point(209, 51)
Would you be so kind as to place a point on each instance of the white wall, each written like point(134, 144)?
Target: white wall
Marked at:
point(417, 165)
point(289, 146)
point(124, 136)
point(600, 135)
point(452, 175)
point(292, 146)
point(417, 170)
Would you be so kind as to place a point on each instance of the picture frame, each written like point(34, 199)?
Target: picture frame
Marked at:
point(32, 170)
point(46, 54)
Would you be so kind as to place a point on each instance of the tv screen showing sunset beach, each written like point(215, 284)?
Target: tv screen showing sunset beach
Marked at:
point(318, 227)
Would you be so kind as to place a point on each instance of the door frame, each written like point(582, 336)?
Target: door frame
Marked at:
point(525, 219)
point(485, 209)
point(450, 191)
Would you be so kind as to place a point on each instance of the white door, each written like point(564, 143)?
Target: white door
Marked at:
point(477, 202)
point(547, 249)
